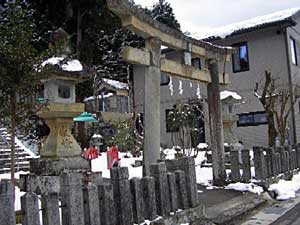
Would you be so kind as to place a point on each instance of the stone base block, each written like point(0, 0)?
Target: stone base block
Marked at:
point(57, 166)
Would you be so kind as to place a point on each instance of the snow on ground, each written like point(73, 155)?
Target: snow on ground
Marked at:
point(245, 187)
point(27, 150)
point(286, 189)
point(204, 175)
point(18, 193)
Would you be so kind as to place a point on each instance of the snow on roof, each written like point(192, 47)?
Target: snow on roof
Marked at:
point(116, 84)
point(226, 94)
point(70, 65)
point(227, 30)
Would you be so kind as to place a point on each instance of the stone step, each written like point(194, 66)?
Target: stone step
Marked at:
point(7, 170)
point(20, 155)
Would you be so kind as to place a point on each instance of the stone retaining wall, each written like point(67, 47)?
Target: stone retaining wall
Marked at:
point(269, 163)
point(76, 199)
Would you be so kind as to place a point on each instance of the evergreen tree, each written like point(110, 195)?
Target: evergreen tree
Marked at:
point(163, 12)
point(19, 76)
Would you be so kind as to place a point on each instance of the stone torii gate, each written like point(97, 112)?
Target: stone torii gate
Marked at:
point(156, 35)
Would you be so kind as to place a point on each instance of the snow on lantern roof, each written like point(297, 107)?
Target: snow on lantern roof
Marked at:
point(70, 65)
point(227, 94)
point(116, 84)
point(254, 23)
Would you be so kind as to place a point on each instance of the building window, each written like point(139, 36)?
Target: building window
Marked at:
point(252, 119)
point(293, 51)
point(171, 125)
point(164, 80)
point(240, 61)
point(196, 62)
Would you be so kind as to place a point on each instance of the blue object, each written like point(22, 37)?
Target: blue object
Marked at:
point(85, 117)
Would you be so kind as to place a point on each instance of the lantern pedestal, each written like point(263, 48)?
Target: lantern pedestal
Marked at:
point(60, 142)
point(60, 151)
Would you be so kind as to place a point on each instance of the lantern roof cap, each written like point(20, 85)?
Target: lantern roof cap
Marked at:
point(85, 117)
point(67, 69)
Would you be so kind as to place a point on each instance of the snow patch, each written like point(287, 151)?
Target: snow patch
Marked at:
point(286, 189)
point(202, 145)
point(116, 84)
point(98, 97)
point(226, 94)
point(71, 65)
point(245, 187)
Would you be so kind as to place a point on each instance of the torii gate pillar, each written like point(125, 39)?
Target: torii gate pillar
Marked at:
point(216, 125)
point(151, 151)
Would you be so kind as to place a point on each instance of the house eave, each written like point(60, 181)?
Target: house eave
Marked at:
point(289, 22)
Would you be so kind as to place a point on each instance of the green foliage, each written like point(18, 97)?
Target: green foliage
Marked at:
point(123, 137)
point(163, 12)
point(19, 60)
point(183, 121)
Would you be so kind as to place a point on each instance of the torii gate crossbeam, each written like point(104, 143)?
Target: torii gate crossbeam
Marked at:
point(157, 34)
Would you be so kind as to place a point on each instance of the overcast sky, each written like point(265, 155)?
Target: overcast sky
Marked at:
point(197, 16)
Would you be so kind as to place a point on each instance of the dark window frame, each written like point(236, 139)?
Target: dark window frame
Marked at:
point(253, 122)
point(162, 82)
point(194, 60)
point(238, 45)
point(64, 91)
point(293, 48)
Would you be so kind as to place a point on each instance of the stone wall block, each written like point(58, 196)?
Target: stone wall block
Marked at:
point(246, 166)
point(106, 204)
point(91, 205)
point(159, 172)
point(72, 199)
point(298, 156)
point(186, 164)
point(172, 191)
point(288, 161)
point(7, 200)
point(259, 163)
point(137, 200)
point(268, 164)
point(181, 189)
point(280, 150)
point(235, 166)
point(148, 190)
point(278, 163)
point(50, 206)
point(30, 209)
point(122, 195)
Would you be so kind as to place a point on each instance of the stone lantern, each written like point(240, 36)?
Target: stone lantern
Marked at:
point(229, 100)
point(59, 93)
point(61, 151)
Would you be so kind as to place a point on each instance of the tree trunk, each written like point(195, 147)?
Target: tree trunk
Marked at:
point(79, 32)
point(13, 133)
point(272, 133)
point(282, 138)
